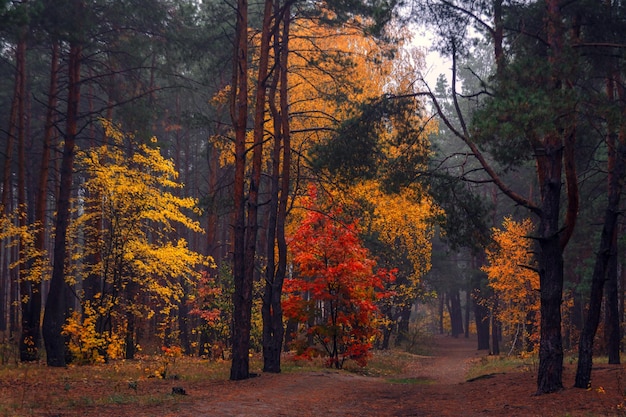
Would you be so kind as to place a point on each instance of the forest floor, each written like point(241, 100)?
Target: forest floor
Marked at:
point(434, 385)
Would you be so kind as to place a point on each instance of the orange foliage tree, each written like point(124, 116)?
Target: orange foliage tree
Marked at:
point(336, 288)
point(514, 281)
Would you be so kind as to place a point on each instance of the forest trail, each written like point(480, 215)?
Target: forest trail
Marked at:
point(332, 393)
point(451, 358)
point(431, 386)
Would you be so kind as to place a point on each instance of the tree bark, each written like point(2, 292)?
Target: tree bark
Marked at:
point(495, 335)
point(481, 315)
point(29, 338)
point(456, 313)
point(273, 327)
point(611, 321)
point(57, 309)
point(242, 295)
point(607, 250)
point(550, 373)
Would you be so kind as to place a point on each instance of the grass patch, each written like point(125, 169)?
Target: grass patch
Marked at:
point(383, 363)
point(491, 365)
point(35, 389)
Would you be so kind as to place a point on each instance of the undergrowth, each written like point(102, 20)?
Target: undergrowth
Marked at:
point(35, 389)
point(490, 365)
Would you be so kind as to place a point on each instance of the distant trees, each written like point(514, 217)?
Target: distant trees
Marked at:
point(70, 63)
point(537, 106)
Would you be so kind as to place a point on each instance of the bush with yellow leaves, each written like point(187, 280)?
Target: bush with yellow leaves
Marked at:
point(86, 345)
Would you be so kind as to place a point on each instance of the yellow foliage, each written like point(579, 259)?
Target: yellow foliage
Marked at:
point(512, 277)
point(128, 218)
point(403, 219)
point(87, 345)
point(35, 263)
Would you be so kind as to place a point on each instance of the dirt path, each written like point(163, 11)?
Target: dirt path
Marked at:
point(432, 386)
point(339, 394)
point(450, 361)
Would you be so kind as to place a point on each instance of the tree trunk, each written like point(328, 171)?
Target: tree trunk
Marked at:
point(29, 324)
point(495, 335)
point(554, 153)
point(456, 313)
point(481, 315)
point(617, 171)
point(403, 324)
point(242, 295)
point(129, 339)
point(612, 322)
point(622, 297)
point(276, 331)
point(608, 249)
point(468, 307)
point(5, 258)
point(56, 304)
point(440, 310)
point(550, 374)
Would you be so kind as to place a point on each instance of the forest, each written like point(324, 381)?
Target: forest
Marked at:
point(242, 180)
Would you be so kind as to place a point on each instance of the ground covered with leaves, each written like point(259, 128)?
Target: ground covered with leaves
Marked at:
point(394, 384)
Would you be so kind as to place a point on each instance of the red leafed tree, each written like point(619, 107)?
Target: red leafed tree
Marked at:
point(334, 292)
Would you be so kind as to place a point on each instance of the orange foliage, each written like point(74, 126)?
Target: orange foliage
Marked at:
point(514, 280)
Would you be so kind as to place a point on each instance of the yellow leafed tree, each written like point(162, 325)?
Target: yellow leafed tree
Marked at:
point(514, 281)
point(133, 264)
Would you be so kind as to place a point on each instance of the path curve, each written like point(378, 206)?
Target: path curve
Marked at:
point(332, 393)
point(450, 361)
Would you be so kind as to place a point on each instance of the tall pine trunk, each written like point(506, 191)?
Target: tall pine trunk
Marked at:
point(242, 295)
point(57, 308)
point(273, 327)
point(30, 340)
point(607, 250)
point(29, 324)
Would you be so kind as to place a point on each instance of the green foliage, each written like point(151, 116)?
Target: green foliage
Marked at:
point(372, 15)
point(465, 223)
point(385, 139)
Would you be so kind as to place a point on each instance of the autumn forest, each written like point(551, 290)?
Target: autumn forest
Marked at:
point(241, 180)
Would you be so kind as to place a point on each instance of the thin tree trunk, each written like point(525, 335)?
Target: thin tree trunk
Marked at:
point(254, 181)
point(5, 258)
point(273, 328)
point(456, 313)
point(612, 322)
point(239, 113)
point(468, 307)
point(56, 304)
point(495, 335)
point(608, 241)
point(29, 329)
point(440, 310)
point(622, 297)
point(481, 315)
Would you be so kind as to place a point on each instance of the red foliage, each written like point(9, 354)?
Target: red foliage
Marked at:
point(335, 290)
point(204, 304)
